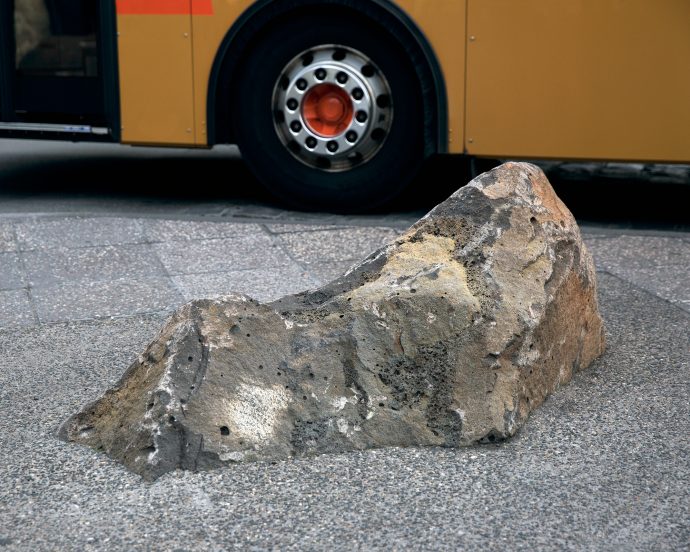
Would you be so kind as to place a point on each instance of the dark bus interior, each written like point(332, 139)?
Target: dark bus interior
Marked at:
point(58, 65)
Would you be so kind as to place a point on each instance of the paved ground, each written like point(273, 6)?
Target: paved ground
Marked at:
point(86, 280)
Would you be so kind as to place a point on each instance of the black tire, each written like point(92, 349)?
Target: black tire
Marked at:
point(362, 187)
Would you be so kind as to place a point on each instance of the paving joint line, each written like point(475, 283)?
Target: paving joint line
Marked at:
point(97, 319)
point(276, 239)
point(644, 290)
point(25, 275)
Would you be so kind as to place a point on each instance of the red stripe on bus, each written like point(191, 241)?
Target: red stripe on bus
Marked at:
point(164, 7)
point(202, 7)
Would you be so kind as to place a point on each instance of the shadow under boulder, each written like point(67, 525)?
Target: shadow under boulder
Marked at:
point(447, 336)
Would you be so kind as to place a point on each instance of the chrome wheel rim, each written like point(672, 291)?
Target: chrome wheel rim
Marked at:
point(332, 108)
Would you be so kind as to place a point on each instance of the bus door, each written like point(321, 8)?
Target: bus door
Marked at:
point(58, 68)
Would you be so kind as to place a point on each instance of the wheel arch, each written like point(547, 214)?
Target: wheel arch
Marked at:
point(257, 18)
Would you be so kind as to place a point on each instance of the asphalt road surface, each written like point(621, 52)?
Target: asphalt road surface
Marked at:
point(99, 243)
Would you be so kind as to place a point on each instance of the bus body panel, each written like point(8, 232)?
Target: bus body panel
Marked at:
point(579, 79)
point(568, 79)
point(156, 78)
point(443, 24)
point(209, 32)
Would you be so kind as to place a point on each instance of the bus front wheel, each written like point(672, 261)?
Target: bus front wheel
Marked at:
point(328, 113)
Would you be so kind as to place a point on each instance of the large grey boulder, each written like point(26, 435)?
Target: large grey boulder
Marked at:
point(447, 336)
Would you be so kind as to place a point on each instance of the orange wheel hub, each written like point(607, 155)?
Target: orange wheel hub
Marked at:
point(327, 110)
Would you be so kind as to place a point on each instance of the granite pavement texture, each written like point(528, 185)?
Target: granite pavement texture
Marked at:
point(604, 464)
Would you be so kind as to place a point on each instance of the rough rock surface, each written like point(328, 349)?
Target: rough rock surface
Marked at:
point(450, 335)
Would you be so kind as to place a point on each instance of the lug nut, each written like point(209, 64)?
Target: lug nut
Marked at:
point(292, 104)
point(295, 126)
point(351, 136)
point(332, 146)
point(361, 116)
point(357, 94)
point(341, 77)
point(320, 74)
point(311, 142)
point(301, 84)
point(383, 101)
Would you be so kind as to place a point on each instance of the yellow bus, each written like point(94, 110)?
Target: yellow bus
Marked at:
point(338, 102)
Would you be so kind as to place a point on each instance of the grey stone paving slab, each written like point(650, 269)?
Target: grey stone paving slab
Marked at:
point(262, 284)
point(11, 274)
point(336, 245)
point(16, 309)
point(289, 228)
point(685, 305)
point(105, 298)
point(670, 282)
point(639, 251)
point(602, 465)
point(7, 238)
point(54, 266)
point(325, 272)
point(174, 230)
point(221, 255)
point(75, 232)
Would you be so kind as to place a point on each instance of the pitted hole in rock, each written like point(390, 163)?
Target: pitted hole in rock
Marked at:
point(150, 406)
point(224, 431)
point(190, 359)
point(491, 437)
point(86, 431)
point(172, 419)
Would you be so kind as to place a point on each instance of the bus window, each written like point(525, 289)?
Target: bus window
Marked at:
point(56, 38)
point(53, 73)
